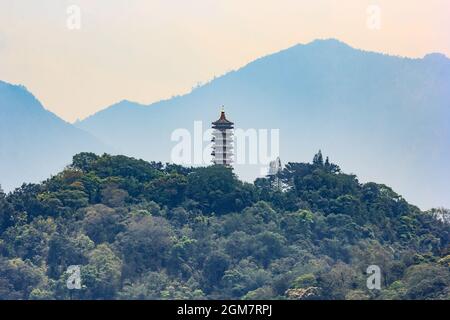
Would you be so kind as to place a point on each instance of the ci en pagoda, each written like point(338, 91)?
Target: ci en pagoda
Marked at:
point(222, 141)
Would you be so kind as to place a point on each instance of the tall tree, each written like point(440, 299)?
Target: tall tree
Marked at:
point(318, 159)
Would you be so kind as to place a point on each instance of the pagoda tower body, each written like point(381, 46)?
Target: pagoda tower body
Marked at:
point(222, 141)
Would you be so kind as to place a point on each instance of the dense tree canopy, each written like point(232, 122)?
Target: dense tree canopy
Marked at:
point(142, 230)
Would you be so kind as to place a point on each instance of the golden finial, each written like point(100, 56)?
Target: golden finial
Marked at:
point(223, 108)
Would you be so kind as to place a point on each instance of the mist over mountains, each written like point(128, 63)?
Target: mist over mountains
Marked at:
point(385, 118)
point(35, 143)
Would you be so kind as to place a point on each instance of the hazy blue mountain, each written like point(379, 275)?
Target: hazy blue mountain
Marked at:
point(382, 117)
point(35, 143)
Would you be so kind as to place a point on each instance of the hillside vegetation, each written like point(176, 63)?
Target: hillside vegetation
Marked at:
point(143, 230)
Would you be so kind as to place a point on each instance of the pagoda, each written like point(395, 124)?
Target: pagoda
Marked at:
point(222, 140)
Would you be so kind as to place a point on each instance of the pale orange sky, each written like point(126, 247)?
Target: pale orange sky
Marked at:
point(147, 50)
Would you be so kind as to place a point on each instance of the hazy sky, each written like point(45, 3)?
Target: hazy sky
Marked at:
point(147, 50)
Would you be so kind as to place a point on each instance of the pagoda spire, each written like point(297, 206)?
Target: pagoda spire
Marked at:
point(222, 140)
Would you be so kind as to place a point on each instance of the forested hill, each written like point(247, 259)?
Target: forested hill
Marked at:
point(144, 230)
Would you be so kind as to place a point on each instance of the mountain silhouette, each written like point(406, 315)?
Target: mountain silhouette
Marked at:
point(35, 143)
point(385, 118)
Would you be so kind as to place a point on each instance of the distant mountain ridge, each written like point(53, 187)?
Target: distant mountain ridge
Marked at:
point(35, 143)
point(383, 117)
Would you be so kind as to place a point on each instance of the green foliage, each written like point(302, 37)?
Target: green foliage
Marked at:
point(305, 281)
point(102, 223)
point(101, 276)
point(145, 244)
point(18, 278)
point(217, 189)
point(142, 230)
point(427, 281)
point(214, 268)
